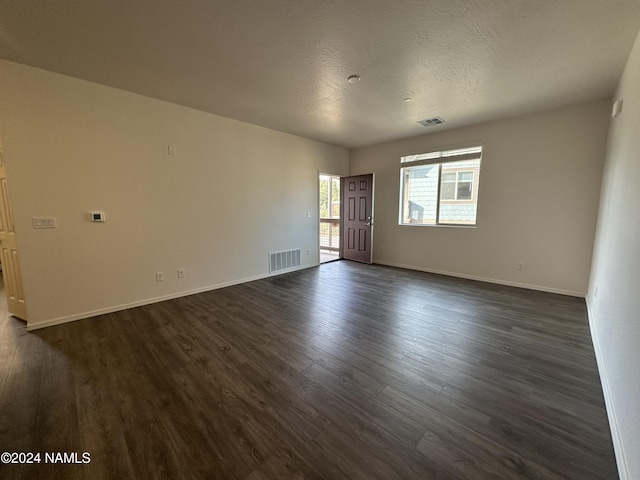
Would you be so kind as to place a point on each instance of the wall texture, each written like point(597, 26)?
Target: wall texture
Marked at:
point(537, 204)
point(613, 297)
point(232, 193)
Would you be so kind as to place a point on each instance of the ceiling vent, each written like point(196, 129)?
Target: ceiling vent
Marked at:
point(430, 122)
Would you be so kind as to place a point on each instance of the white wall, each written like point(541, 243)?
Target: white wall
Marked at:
point(615, 310)
point(232, 193)
point(538, 200)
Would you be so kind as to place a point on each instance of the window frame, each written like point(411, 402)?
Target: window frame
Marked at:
point(439, 159)
point(474, 190)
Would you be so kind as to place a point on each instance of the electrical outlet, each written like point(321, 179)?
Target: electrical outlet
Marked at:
point(308, 251)
point(521, 266)
point(181, 273)
point(159, 277)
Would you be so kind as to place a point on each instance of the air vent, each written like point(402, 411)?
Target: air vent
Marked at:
point(430, 122)
point(284, 260)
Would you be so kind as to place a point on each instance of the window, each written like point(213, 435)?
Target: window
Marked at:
point(440, 188)
point(329, 215)
point(457, 185)
point(329, 196)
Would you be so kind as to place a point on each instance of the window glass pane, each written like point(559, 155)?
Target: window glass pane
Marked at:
point(448, 188)
point(464, 191)
point(419, 194)
point(335, 197)
point(459, 207)
point(324, 196)
point(329, 196)
point(465, 176)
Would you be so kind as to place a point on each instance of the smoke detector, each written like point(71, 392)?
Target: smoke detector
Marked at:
point(430, 122)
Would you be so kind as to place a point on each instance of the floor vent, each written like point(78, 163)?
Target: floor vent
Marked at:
point(284, 260)
point(430, 122)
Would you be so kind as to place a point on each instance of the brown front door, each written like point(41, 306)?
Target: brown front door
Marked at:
point(357, 218)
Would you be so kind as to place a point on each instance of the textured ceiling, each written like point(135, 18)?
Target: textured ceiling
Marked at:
point(284, 64)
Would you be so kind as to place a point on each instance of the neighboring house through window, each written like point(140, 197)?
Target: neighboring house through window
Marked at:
point(440, 188)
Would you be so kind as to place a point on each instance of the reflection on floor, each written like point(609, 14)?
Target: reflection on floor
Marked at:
point(328, 256)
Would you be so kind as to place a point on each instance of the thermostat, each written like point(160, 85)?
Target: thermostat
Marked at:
point(97, 216)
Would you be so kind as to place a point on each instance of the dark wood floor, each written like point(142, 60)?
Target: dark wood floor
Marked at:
point(342, 371)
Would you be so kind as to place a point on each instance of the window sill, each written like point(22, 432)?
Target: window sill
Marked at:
point(441, 225)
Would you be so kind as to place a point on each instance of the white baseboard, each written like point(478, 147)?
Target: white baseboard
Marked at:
point(621, 460)
point(485, 279)
point(148, 301)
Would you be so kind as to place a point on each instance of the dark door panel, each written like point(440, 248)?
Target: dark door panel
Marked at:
point(357, 217)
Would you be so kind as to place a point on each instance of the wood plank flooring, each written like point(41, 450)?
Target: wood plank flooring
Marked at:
point(345, 371)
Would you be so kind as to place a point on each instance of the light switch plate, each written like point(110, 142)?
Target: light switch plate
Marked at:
point(44, 222)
